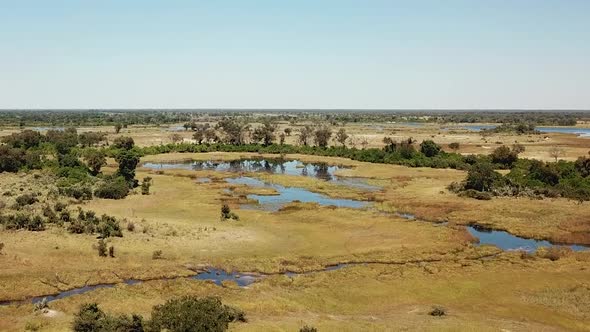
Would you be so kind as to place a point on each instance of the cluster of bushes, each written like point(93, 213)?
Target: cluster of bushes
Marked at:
point(88, 223)
point(22, 221)
point(188, 313)
point(78, 169)
point(529, 177)
point(85, 223)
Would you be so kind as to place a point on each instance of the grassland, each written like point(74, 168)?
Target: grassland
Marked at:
point(411, 265)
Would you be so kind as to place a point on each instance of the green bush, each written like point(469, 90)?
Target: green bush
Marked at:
point(191, 313)
point(116, 188)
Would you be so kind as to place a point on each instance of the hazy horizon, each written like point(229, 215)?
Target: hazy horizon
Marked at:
point(311, 55)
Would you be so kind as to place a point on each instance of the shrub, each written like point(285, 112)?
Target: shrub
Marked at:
point(191, 313)
point(308, 329)
point(429, 148)
point(91, 318)
point(116, 188)
point(225, 212)
point(437, 311)
point(145, 185)
point(157, 254)
point(112, 251)
point(26, 199)
point(1, 247)
point(59, 206)
point(102, 248)
point(130, 227)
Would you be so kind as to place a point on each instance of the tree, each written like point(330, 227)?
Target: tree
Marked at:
point(211, 135)
point(518, 148)
point(95, 159)
point(175, 138)
point(556, 152)
point(128, 160)
point(322, 135)
point(125, 143)
point(429, 148)
point(504, 156)
point(305, 134)
point(341, 136)
point(282, 138)
point(454, 146)
point(482, 177)
point(187, 126)
point(288, 131)
point(233, 130)
point(118, 127)
point(582, 165)
point(364, 143)
point(265, 133)
point(200, 132)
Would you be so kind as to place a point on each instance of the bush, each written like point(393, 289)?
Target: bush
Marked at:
point(191, 313)
point(26, 199)
point(112, 251)
point(437, 311)
point(116, 188)
point(157, 254)
point(102, 248)
point(91, 318)
point(308, 329)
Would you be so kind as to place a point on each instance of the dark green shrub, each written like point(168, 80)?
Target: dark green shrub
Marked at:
point(26, 199)
point(195, 314)
point(307, 328)
point(116, 188)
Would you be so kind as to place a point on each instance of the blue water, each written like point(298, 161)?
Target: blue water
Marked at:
point(582, 132)
point(320, 171)
point(215, 275)
point(507, 241)
point(290, 194)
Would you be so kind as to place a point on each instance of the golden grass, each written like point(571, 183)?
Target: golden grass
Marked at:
point(421, 264)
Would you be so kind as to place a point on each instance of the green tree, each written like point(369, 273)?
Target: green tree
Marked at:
point(504, 156)
point(123, 142)
point(429, 148)
point(118, 127)
point(482, 177)
point(94, 159)
point(128, 160)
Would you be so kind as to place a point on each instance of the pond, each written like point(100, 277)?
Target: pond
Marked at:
point(320, 171)
point(507, 241)
point(289, 194)
point(503, 239)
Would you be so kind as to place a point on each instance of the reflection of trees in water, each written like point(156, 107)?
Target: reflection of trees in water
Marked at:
point(322, 171)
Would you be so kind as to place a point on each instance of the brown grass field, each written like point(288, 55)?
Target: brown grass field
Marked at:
point(411, 265)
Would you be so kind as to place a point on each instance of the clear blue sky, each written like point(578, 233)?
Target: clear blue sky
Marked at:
point(295, 54)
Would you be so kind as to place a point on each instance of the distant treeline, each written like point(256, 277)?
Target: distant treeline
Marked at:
point(76, 118)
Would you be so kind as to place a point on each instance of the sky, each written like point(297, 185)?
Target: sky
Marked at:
point(419, 54)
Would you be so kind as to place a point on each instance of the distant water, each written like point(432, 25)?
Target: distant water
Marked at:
point(582, 132)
